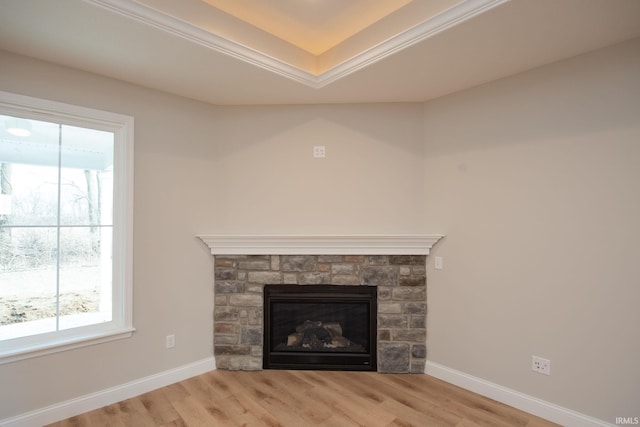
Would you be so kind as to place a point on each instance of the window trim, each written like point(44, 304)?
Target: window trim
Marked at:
point(121, 325)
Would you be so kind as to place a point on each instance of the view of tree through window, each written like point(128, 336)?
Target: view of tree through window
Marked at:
point(56, 226)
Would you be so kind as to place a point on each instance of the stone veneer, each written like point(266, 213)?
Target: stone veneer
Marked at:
point(401, 284)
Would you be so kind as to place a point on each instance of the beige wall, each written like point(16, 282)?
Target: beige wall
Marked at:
point(172, 270)
point(535, 180)
point(267, 181)
point(201, 169)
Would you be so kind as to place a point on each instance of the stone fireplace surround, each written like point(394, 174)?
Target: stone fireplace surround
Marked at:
point(396, 265)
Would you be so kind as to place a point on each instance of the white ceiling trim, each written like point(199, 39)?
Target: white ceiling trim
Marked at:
point(451, 17)
point(420, 244)
point(463, 11)
point(192, 33)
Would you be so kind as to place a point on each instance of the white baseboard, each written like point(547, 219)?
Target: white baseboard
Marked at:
point(80, 405)
point(524, 402)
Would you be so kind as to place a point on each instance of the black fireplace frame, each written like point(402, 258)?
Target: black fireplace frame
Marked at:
point(321, 360)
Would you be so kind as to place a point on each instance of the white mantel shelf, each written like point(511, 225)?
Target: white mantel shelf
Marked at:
point(419, 244)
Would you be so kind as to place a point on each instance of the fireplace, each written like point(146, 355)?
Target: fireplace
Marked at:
point(323, 327)
point(395, 266)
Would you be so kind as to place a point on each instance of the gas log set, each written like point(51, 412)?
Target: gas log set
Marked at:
point(318, 336)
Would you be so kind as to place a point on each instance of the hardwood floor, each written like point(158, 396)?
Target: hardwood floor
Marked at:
point(307, 398)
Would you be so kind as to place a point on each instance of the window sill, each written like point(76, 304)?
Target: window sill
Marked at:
point(64, 345)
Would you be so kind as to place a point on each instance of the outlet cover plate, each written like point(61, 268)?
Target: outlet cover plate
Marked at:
point(541, 365)
point(171, 341)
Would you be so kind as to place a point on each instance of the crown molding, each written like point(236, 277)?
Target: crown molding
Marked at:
point(177, 27)
point(451, 17)
point(321, 245)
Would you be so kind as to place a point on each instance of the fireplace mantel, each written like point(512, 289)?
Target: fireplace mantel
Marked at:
point(419, 244)
point(394, 264)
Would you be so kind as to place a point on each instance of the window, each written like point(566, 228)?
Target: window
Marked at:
point(66, 184)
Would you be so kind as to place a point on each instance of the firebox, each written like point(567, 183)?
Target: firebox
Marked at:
point(320, 327)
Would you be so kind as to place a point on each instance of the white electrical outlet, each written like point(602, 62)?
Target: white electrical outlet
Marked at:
point(438, 263)
point(319, 151)
point(171, 341)
point(540, 365)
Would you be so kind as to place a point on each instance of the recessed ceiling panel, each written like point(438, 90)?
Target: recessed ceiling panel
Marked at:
point(313, 25)
point(192, 49)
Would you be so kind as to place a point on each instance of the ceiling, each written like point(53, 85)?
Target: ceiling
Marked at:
point(232, 52)
point(312, 25)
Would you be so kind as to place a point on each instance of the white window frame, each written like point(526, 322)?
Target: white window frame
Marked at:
point(121, 325)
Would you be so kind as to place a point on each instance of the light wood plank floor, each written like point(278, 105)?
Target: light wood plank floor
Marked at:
point(307, 398)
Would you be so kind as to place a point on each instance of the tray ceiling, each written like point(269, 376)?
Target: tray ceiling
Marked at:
point(363, 51)
point(313, 25)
